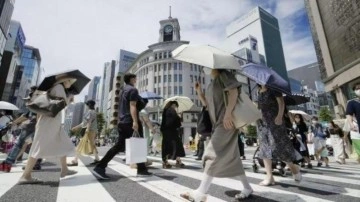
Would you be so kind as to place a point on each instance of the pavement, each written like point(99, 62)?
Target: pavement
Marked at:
point(337, 183)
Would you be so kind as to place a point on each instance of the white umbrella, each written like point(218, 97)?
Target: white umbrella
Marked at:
point(304, 114)
point(185, 103)
point(7, 106)
point(207, 56)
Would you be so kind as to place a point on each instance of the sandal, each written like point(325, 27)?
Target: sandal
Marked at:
point(191, 196)
point(68, 173)
point(267, 183)
point(72, 163)
point(244, 194)
point(166, 165)
point(32, 181)
point(179, 164)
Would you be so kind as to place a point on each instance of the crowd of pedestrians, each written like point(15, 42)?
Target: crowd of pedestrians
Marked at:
point(221, 150)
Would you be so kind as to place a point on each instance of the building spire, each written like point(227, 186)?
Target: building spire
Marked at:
point(170, 12)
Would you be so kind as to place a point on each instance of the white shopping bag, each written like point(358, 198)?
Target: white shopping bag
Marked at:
point(136, 149)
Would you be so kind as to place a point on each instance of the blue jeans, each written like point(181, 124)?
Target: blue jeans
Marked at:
point(11, 158)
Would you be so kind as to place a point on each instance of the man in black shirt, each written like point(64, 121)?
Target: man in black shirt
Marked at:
point(353, 108)
point(130, 105)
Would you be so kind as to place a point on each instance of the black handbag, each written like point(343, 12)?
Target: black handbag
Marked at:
point(82, 132)
point(43, 104)
point(204, 125)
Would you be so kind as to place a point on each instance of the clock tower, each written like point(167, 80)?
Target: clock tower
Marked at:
point(169, 29)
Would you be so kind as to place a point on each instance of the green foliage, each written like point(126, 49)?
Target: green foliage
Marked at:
point(251, 131)
point(325, 114)
point(100, 122)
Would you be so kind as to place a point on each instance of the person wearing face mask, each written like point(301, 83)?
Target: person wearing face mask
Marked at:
point(319, 142)
point(222, 156)
point(301, 128)
point(353, 116)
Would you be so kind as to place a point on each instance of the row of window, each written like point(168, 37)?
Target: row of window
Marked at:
point(168, 78)
point(161, 102)
point(168, 66)
point(178, 90)
point(161, 55)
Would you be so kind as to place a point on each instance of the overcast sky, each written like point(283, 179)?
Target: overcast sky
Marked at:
point(84, 34)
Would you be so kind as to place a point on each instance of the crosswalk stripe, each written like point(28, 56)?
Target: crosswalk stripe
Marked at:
point(308, 175)
point(266, 192)
point(8, 180)
point(72, 188)
point(165, 188)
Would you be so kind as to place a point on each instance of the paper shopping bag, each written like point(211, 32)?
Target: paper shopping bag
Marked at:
point(136, 150)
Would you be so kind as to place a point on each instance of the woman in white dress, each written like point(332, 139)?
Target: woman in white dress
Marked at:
point(50, 138)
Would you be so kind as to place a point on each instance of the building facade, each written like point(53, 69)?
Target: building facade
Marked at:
point(107, 85)
point(6, 10)
point(93, 88)
point(158, 72)
point(31, 61)
point(126, 58)
point(11, 60)
point(265, 38)
point(335, 28)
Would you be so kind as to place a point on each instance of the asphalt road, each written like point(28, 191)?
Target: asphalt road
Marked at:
point(337, 183)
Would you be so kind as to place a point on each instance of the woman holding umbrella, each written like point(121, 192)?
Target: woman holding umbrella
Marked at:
point(50, 139)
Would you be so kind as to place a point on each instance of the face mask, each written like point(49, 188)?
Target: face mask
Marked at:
point(207, 70)
point(314, 122)
point(297, 119)
point(357, 92)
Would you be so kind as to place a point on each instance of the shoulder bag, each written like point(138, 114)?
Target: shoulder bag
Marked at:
point(43, 104)
point(204, 125)
point(245, 111)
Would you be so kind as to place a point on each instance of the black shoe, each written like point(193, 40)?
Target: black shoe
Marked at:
point(319, 164)
point(36, 167)
point(94, 163)
point(144, 173)
point(100, 173)
point(198, 159)
point(309, 165)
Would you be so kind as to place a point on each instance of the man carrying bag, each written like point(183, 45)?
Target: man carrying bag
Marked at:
point(130, 105)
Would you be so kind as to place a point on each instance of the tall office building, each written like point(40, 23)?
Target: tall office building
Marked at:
point(6, 10)
point(265, 38)
point(11, 61)
point(107, 87)
point(126, 58)
point(158, 72)
point(31, 61)
point(93, 89)
point(335, 28)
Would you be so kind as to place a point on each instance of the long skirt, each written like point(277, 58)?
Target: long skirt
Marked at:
point(338, 146)
point(171, 146)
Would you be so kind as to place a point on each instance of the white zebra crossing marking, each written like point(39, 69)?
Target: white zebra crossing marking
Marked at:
point(266, 192)
point(164, 188)
point(8, 180)
point(82, 187)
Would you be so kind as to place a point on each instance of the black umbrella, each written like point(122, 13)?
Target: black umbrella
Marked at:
point(76, 88)
point(295, 99)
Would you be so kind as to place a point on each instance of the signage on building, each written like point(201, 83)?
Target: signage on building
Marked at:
point(253, 43)
point(21, 37)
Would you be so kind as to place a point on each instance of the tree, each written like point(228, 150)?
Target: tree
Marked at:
point(251, 130)
point(325, 114)
point(100, 122)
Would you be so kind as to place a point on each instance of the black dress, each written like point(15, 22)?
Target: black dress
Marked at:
point(172, 146)
point(302, 129)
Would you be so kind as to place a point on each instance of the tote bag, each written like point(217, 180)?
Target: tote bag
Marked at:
point(204, 124)
point(44, 104)
point(136, 149)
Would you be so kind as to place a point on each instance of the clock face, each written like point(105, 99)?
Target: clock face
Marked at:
point(168, 29)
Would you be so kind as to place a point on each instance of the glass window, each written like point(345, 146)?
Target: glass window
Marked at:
point(165, 54)
point(195, 68)
point(203, 80)
point(159, 66)
point(156, 56)
point(164, 88)
point(180, 66)
point(159, 91)
point(155, 66)
point(180, 77)
point(175, 90)
point(165, 78)
point(155, 79)
point(191, 79)
point(147, 81)
point(169, 90)
point(192, 91)
point(164, 67)
point(170, 54)
point(160, 55)
point(180, 90)
point(159, 79)
point(195, 78)
point(169, 78)
point(147, 70)
point(169, 66)
point(191, 67)
point(175, 77)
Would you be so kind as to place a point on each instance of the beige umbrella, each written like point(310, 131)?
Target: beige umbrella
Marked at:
point(185, 103)
point(304, 114)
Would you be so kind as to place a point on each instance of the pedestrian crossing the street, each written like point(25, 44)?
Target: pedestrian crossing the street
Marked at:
point(337, 183)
